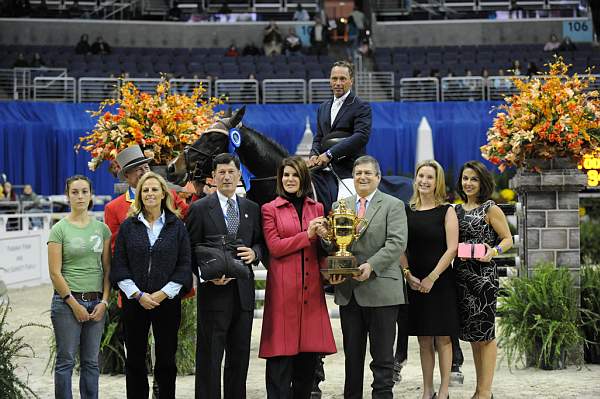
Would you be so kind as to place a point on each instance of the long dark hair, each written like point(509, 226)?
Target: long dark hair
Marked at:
point(486, 181)
point(299, 165)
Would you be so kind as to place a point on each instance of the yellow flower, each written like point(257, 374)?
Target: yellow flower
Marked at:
point(160, 122)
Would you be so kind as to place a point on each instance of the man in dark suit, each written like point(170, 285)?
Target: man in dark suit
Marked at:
point(369, 302)
point(343, 130)
point(225, 305)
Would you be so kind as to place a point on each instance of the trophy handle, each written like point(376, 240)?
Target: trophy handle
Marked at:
point(357, 222)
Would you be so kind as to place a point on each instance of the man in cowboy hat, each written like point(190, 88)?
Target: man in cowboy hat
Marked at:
point(133, 165)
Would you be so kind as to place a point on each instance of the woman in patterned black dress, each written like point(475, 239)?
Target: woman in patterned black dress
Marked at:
point(480, 221)
point(432, 245)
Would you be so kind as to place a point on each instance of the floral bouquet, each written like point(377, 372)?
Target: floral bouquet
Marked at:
point(160, 123)
point(551, 116)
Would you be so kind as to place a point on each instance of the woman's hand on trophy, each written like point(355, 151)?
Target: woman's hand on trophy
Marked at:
point(316, 227)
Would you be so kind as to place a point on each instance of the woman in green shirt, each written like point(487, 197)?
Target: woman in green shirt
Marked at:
point(79, 263)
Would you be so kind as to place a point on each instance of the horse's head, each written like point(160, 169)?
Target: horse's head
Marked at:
point(195, 162)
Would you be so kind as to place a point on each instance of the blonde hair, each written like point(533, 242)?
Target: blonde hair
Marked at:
point(167, 202)
point(439, 193)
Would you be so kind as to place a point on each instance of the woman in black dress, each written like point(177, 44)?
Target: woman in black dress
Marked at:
point(480, 222)
point(432, 245)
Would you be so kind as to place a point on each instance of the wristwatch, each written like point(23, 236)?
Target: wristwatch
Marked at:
point(329, 154)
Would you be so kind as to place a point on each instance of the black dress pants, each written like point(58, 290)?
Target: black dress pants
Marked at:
point(401, 354)
point(379, 324)
point(165, 320)
point(223, 332)
point(290, 377)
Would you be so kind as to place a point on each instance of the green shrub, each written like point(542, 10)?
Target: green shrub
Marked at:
point(12, 346)
point(590, 250)
point(539, 319)
point(590, 305)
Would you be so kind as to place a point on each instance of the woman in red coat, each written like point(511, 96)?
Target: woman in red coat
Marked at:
point(296, 326)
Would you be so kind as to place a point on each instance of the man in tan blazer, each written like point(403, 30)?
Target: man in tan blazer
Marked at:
point(369, 302)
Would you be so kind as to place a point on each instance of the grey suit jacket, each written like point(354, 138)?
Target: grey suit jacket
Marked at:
point(380, 244)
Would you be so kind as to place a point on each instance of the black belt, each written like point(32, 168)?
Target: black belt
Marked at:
point(86, 296)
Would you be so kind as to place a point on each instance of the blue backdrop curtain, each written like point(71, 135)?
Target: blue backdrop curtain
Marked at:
point(37, 139)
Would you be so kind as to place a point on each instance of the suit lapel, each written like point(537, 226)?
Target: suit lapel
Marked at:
point(327, 117)
point(244, 222)
point(216, 214)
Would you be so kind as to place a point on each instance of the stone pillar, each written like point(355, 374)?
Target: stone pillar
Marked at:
point(549, 226)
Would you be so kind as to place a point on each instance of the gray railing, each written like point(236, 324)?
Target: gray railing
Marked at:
point(463, 88)
point(23, 80)
point(237, 91)
point(147, 85)
point(187, 86)
point(97, 89)
point(375, 86)
point(419, 89)
point(62, 89)
point(284, 91)
point(318, 90)
point(6, 84)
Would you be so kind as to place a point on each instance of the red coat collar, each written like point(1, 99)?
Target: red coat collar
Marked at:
point(280, 201)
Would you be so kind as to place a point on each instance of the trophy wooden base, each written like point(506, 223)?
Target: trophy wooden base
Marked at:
point(340, 265)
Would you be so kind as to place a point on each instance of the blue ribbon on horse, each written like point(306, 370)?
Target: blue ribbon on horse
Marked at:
point(235, 140)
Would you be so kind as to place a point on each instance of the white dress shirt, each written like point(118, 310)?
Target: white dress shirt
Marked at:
point(336, 105)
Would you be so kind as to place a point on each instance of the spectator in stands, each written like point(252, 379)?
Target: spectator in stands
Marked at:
point(359, 21)
point(272, 39)
point(552, 44)
point(232, 51)
point(30, 203)
point(174, 13)
point(37, 61)
point(319, 38)
point(292, 43)
point(449, 84)
point(251, 49)
point(516, 68)
point(567, 45)
point(29, 198)
point(301, 14)
point(42, 10)
point(9, 194)
point(79, 265)
point(83, 45)
point(502, 83)
point(20, 62)
point(100, 46)
point(532, 69)
point(74, 11)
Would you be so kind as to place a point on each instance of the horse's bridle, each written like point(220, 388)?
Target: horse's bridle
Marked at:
point(192, 169)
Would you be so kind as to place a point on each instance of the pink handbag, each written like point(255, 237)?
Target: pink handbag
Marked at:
point(466, 250)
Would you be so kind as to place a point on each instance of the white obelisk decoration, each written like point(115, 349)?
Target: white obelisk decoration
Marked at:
point(305, 145)
point(424, 142)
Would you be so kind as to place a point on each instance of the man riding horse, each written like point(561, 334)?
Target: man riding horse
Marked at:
point(343, 130)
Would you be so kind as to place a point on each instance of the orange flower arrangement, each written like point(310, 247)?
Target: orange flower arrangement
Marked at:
point(550, 117)
point(161, 123)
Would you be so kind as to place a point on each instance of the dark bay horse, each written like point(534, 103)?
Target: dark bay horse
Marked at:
point(260, 154)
